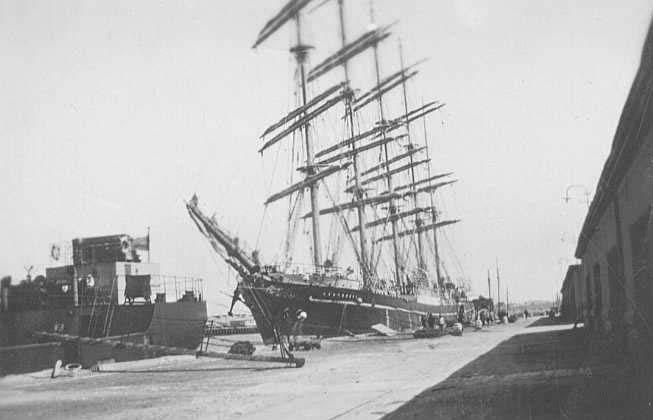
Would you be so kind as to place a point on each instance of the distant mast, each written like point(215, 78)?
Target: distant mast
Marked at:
point(506, 300)
point(434, 213)
point(301, 54)
point(421, 260)
point(358, 190)
point(498, 287)
point(292, 10)
point(384, 151)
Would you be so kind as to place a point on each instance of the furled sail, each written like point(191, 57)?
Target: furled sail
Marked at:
point(303, 121)
point(397, 158)
point(361, 103)
point(386, 81)
point(287, 12)
point(362, 43)
point(394, 171)
point(307, 182)
point(379, 199)
point(430, 188)
point(422, 181)
point(420, 229)
point(372, 131)
point(360, 149)
point(298, 111)
point(414, 114)
point(397, 216)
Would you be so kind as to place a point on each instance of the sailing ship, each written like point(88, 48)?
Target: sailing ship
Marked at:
point(391, 279)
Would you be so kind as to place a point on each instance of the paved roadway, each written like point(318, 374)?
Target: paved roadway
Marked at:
point(348, 378)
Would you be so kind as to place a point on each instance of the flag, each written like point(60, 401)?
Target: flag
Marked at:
point(142, 243)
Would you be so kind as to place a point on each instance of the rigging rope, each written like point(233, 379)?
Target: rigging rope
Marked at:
point(269, 189)
point(347, 230)
point(292, 229)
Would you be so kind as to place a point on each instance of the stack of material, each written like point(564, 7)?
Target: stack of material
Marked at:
point(383, 330)
point(242, 347)
point(306, 344)
point(427, 333)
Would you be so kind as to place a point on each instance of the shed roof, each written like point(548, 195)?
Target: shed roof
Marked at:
point(634, 125)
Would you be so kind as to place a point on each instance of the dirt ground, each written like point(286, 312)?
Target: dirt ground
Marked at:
point(399, 377)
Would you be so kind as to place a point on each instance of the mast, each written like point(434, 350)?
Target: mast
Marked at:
point(301, 53)
point(393, 208)
point(506, 300)
point(434, 213)
point(421, 261)
point(358, 191)
point(498, 287)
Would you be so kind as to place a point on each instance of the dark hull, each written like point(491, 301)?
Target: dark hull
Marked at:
point(336, 311)
point(179, 324)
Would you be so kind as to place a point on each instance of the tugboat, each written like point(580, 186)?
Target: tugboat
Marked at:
point(394, 273)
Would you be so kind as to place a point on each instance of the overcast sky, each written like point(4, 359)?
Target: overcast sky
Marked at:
point(112, 113)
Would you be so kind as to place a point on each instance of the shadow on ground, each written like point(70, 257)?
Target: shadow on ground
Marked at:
point(545, 321)
point(540, 375)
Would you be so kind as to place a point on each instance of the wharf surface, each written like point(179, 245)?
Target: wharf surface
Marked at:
point(471, 376)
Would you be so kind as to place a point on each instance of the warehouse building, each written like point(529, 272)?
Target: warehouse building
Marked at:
point(571, 307)
point(615, 244)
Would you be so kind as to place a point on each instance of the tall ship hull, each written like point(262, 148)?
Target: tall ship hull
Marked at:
point(334, 311)
point(330, 307)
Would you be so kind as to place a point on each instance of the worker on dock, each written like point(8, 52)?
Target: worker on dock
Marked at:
point(483, 317)
point(297, 326)
point(431, 320)
point(285, 325)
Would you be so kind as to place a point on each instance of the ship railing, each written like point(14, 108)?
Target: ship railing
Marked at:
point(385, 287)
point(212, 329)
point(183, 288)
point(162, 288)
point(329, 276)
point(159, 288)
point(311, 268)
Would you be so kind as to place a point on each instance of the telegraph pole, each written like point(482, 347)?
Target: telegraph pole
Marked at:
point(498, 288)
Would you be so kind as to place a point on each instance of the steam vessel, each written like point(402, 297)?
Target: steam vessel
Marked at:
point(101, 287)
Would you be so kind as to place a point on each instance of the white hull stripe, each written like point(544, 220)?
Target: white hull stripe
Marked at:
point(369, 305)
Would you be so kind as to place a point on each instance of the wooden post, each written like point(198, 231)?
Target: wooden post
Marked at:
point(75, 289)
point(208, 336)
